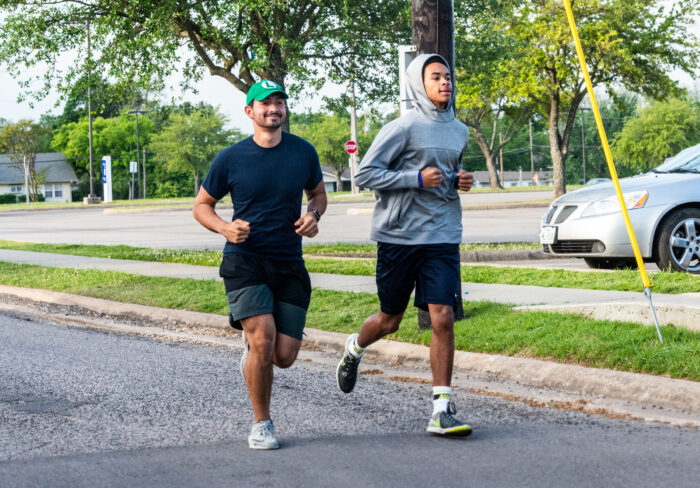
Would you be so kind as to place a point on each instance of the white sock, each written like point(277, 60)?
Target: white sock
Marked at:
point(441, 398)
point(355, 350)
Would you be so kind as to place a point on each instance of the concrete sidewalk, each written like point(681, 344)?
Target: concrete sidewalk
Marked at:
point(680, 310)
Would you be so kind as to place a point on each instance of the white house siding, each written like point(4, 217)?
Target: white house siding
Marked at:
point(65, 189)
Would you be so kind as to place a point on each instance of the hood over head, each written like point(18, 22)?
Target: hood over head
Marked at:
point(416, 89)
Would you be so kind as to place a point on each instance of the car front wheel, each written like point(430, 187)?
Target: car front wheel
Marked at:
point(678, 246)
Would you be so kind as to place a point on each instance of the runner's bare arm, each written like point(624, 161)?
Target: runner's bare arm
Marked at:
point(307, 225)
point(204, 205)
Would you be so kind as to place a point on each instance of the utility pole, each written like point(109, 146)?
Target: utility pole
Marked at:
point(500, 157)
point(532, 158)
point(144, 171)
point(583, 143)
point(432, 22)
point(353, 136)
point(91, 198)
point(26, 180)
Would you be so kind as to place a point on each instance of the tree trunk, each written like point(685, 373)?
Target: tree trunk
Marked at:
point(197, 176)
point(338, 183)
point(490, 157)
point(556, 149)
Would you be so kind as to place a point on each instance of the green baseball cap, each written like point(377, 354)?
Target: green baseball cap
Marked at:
point(263, 89)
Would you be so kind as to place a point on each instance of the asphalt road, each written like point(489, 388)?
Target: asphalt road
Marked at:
point(85, 408)
point(178, 229)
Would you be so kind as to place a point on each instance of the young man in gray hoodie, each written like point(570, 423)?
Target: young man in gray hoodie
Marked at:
point(414, 168)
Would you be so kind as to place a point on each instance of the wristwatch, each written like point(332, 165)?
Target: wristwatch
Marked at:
point(316, 213)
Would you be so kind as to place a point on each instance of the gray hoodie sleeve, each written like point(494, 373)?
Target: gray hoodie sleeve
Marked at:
point(374, 172)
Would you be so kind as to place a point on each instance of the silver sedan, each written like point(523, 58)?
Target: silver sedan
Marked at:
point(664, 209)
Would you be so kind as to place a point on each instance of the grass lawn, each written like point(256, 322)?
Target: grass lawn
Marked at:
point(620, 280)
point(349, 247)
point(489, 327)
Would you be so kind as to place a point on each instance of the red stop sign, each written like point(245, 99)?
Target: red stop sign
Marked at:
point(351, 147)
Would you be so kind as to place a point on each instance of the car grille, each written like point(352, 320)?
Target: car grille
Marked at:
point(559, 214)
point(573, 247)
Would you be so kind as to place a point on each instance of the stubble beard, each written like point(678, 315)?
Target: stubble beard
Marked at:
point(267, 124)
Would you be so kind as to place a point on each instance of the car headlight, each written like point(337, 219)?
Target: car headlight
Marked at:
point(635, 199)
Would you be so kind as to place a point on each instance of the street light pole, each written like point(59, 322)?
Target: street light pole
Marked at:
point(91, 198)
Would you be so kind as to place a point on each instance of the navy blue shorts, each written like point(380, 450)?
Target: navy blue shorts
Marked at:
point(433, 269)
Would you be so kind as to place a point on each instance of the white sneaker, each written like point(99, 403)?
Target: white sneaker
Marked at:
point(262, 436)
point(246, 348)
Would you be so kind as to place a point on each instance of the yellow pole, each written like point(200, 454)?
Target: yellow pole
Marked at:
point(611, 165)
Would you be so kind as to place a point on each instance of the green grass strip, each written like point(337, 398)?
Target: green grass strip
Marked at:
point(489, 327)
point(619, 280)
point(349, 248)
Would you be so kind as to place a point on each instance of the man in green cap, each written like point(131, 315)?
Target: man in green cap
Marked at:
point(267, 285)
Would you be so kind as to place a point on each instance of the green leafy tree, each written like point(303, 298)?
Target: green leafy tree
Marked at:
point(22, 141)
point(629, 43)
point(661, 129)
point(240, 41)
point(107, 100)
point(486, 96)
point(111, 136)
point(328, 134)
point(190, 142)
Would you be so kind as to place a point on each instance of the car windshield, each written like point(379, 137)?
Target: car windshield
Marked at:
point(686, 161)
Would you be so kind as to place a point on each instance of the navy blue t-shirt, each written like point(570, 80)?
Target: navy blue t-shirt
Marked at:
point(266, 186)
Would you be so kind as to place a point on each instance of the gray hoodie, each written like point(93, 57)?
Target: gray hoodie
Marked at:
point(425, 136)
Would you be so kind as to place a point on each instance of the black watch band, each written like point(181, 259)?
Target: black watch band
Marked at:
point(316, 213)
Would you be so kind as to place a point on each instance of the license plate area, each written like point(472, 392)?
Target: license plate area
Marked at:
point(548, 234)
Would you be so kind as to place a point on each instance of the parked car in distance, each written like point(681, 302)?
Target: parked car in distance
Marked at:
point(664, 209)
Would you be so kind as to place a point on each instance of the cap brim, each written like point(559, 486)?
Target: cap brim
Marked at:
point(263, 95)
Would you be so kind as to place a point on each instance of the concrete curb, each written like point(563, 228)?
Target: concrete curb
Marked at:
point(688, 316)
point(468, 206)
point(505, 205)
point(140, 210)
point(632, 387)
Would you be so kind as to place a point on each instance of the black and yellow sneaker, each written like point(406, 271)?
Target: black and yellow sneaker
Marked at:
point(347, 368)
point(444, 423)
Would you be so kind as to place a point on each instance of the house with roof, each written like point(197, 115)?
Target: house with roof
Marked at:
point(514, 178)
point(57, 177)
point(330, 181)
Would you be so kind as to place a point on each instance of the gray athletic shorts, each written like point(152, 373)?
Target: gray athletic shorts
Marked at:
point(257, 286)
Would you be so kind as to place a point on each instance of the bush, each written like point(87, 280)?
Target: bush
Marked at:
point(8, 198)
point(167, 189)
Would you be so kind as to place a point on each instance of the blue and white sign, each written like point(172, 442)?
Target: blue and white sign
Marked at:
point(107, 178)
